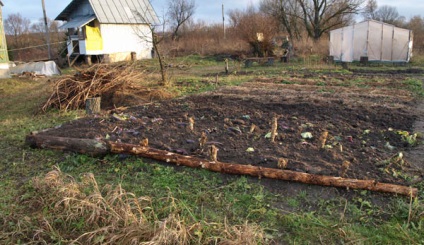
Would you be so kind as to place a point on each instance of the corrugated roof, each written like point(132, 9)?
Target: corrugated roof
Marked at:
point(78, 22)
point(367, 21)
point(1, 3)
point(63, 16)
point(116, 11)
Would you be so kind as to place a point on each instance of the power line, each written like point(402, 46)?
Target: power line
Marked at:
point(30, 47)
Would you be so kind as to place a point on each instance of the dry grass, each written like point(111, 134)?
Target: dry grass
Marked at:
point(65, 210)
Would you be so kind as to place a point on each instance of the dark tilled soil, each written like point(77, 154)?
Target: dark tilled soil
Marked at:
point(363, 126)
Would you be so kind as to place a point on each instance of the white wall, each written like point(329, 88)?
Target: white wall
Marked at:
point(376, 40)
point(124, 39)
point(4, 70)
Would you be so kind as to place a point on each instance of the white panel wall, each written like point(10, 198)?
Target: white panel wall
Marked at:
point(360, 43)
point(376, 40)
point(347, 44)
point(387, 43)
point(336, 44)
point(120, 38)
point(402, 43)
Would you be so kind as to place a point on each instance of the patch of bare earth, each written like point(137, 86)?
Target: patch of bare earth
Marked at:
point(417, 154)
point(362, 126)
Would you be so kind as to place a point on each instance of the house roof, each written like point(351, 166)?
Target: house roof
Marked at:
point(78, 22)
point(375, 21)
point(116, 11)
point(1, 3)
point(368, 21)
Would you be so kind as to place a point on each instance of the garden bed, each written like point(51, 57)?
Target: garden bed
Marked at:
point(369, 128)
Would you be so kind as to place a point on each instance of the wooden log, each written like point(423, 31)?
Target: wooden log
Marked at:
point(91, 147)
point(98, 147)
point(241, 169)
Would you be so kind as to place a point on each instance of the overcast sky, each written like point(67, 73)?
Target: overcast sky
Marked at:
point(207, 10)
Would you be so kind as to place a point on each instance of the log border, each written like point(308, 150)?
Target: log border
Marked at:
point(94, 147)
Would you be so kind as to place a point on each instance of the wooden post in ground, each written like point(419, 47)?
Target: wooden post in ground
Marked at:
point(227, 69)
point(88, 60)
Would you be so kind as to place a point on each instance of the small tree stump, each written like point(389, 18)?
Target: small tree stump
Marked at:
point(274, 128)
point(344, 168)
point(323, 139)
point(203, 139)
point(213, 152)
point(282, 163)
point(191, 124)
point(92, 105)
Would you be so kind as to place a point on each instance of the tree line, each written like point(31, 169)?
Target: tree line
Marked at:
point(26, 41)
point(299, 20)
point(303, 20)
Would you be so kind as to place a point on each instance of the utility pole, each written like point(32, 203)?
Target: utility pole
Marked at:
point(46, 25)
point(223, 21)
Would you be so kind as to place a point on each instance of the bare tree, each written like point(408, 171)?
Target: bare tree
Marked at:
point(285, 12)
point(370, 9)
point(255, 28)
point(320, 16)
point(152, 37)
point(234, 17)
point(416, 24)
point(16, 26)
point(180, 11)
point(38, 27)
point(390, 15)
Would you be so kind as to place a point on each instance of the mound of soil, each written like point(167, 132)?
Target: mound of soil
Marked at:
point(364, 127)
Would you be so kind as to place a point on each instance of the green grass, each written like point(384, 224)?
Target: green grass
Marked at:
point(415, 85)
point(198, 195)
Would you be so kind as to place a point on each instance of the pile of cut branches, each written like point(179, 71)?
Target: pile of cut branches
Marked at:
point(71, 92)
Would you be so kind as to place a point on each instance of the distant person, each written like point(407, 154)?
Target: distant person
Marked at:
point(287, 47)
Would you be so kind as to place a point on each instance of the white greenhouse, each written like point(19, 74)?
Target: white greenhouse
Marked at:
point(371, 41)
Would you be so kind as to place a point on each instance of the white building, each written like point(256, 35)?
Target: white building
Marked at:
point(115, 30)
point(372, 40)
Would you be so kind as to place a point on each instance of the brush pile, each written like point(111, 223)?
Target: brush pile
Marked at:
point(71, 92)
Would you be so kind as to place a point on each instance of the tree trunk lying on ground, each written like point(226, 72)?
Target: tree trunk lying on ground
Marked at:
point(89, 147)
point(98, 147)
